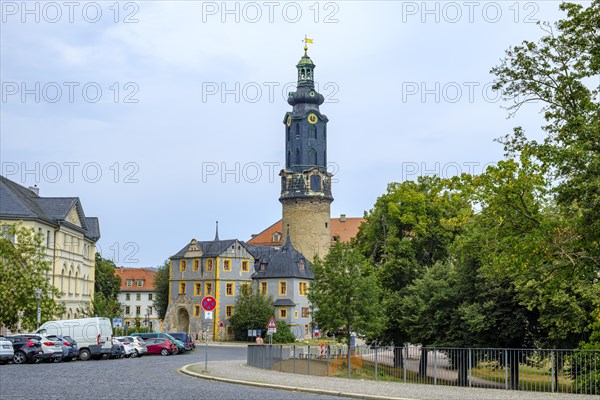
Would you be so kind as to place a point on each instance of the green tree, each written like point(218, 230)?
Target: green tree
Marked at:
point(346, 294)
point(24, 267)
point(107, 286)
point(161, 285)
point(284, 333)
point(252, 310)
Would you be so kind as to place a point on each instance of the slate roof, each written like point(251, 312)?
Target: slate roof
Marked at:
point(284, 263)
point(212, 248)
point(284, 303)
point(20, 203)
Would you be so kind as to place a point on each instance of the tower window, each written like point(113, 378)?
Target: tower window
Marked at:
point(276, 237)
point(287, 160)
point(312, 132)
point(287, 130)
point(315, 183)
point(297, 131)
point(312, 157)
point(297, 156)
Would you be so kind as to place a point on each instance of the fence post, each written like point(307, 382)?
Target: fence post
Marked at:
point(434, 366)
point(470, 366)
point(327, 350)
point(280, 357)
point(375, 363)
point(404, 360)
point(294, 359)
point(553, 371)
point(308, 367)
point(506, 369)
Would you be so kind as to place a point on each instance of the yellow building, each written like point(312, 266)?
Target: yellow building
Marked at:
point(70, 239)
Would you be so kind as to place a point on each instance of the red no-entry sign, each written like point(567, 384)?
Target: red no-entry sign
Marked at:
point(209, 303)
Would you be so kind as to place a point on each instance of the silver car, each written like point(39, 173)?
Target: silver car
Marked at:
point(6, 350)
point(139, 345)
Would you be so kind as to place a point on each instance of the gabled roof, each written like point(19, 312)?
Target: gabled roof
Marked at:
point(285, 262)
point(146, 274)
point(343, 229)
point(20, 203)
point(210, 248)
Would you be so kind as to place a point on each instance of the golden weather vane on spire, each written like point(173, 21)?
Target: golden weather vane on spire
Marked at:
point(306, 41)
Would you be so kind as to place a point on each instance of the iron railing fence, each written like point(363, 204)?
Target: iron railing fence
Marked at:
point(539, 370)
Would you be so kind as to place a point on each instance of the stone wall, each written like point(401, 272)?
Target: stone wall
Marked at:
point(308, 220)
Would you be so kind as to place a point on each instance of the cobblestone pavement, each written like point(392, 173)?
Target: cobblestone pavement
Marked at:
point(148, 378)
point(236, 371)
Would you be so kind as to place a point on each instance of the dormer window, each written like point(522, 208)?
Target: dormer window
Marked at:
point(140, 282)
point(130, 282)
point(301, 265)
point(276, 237)
point(263, 266)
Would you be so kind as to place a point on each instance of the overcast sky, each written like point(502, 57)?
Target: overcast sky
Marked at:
point(165, 116)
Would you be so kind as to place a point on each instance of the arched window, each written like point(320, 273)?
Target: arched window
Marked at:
point(287, 133)
point(312, 132)
point(312, 157)
point(287, 160)
point(297, 156)
point(62, 278)
point(77, 281)
point(297, 131)
point(69, 282)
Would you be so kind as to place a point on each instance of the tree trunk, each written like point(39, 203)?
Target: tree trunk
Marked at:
point(423, 363)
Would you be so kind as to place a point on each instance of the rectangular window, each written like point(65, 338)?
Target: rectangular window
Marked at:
point(138, 296)
point(208, 289)
point(150, 296)
point(149, 310)
point(130, 282)
point(303, 288)
point(229, 311)
point(227, 265)
point(209, 264)
point(181, 287)
point(282, 288)
point(138, 310)
point(263, 288)
point(182, 265)
point(197, 289)
point(245, 266)
point(127, 310)
point(140, 282)
point(295, 314)
point(304, 312)
point(306, 329)
point(283, 313)
point(196, 265)
point(229, 291)
point(196, 310)
point(230, 330)
point(127, 296)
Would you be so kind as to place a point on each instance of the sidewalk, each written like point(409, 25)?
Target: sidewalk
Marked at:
point(238, 373)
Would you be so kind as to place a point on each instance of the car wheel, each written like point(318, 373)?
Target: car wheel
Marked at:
point(19, 357)
point(164, 352)
point(84, 355)
point(135, 353)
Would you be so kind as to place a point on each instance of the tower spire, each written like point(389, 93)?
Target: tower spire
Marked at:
point(217, 232)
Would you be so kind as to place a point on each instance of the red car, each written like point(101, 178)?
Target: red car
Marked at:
point(162, 346)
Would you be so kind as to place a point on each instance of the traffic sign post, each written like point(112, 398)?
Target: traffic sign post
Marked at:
point(208, 303)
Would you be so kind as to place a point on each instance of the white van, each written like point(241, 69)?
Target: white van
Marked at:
point(93, 335)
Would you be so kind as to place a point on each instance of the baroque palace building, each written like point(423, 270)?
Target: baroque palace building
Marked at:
point(276, 261)
point(70, 239)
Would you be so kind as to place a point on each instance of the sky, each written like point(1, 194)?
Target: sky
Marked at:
point(166, 116)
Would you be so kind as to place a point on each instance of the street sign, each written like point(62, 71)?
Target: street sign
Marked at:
point(272, 324)
point(271, 331)
point(208, 315)
point(209, 303)
point(117, 322)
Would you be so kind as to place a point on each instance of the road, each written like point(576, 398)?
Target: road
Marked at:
point(148, 377)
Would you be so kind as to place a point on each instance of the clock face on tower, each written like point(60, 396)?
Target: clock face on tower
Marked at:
point(289, 120)
point(312, 93)
point(312, 118)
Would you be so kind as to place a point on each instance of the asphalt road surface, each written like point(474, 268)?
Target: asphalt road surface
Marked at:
point(148, 377)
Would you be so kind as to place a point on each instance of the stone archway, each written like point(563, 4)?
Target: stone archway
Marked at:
point(183, 320)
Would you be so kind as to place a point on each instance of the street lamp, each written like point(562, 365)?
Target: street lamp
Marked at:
point(38, 293)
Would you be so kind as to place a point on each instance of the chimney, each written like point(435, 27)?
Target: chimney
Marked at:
point(342, 217)
point(35, 189)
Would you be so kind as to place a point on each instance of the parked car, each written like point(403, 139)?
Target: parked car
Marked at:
point(127, 345)
point(139, 345)
point(163, 346)
point(149, 335)
point(117, 350)
point(93, 335)
point(51, 348)
point(26, 350)
point(7, 352)
point(186, 339)
point(69, 347)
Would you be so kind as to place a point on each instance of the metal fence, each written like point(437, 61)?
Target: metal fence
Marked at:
point(539, 370)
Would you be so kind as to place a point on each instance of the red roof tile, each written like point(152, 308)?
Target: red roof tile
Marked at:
point(134, 274)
